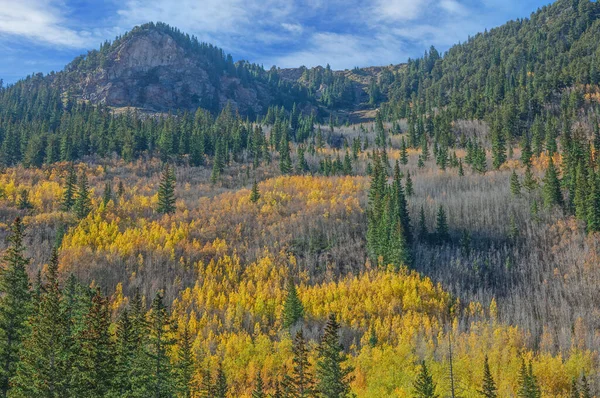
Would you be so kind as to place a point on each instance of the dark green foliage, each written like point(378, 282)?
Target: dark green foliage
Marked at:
point(293, 310)
point(528, 386)
point(302, 384)
point(23, 202)
point(574, 393)
point(333, 378)
point(184, 367)
point(161, 383)
point(68, 198)
point(409, 185)
point(220, 387)
point(255, 193)
point(585, 388)
point(107, 196)
point(515, 185)
point(441, 226)
point(529, 181)
point(488, 387)
point(166, 191)
point(424, 387)
point(259, 388)
point(15, 305)
point(45, 367)
point(83, 201)
point(551, 190)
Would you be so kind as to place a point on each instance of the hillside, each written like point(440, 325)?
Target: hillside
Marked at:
point(178, 225)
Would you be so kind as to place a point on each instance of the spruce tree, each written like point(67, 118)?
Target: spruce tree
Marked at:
point(403, 152)
point(302, 384)
point(574, 393)
point(220, 387)
point(551, 189)
point(23, 202)
point(441, 231)
point(424, 387)
point(184, 367)
point(293, 310)
point(333, 378)
point(166, 191)
point(423, 233)
point(107, 196)
point(408, 185)
point(255, 194)
point(93, 372)
point(515, 185)
point(488, 388)
point(83, 202)
point(44, 369)
point(529, 181)
point(259, 388)
point(68, 197)
point(159, 345)
point(15, 305)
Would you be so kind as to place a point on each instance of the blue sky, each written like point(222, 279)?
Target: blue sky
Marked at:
point(44, 35)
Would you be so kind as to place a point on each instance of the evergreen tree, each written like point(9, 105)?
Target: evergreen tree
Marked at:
point(185, 364)
point(68, 197)
point(441, 231)
point(409, 185)
point(93, 368)
point(23, 202)
point(302, 384)
point(166, 191)
point(220, 387)
point(529, 181)
point(15, 305)
point(44, 369)
point(528, 387)
point(423, 233)
point(498, 148)
point(159, 344)
point(574, 389)
point(107, 196)
point(333, 378)
point(424, 387)
point(488, 388)
point(551, 189)
point(259, 388)
point(515, 185)
point(255, 194)
point(83, 202)
point(403, 152)
point(293, 310)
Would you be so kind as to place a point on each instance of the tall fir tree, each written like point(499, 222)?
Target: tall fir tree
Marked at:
point(166, 191)
point(83, 201)
point(15, 305)
point(488, 387)
point(293, 310)
point(424, 387)
point(255, 193)
point(302, 384)
point(515, 185)
point(159, 345)
point(441, 229)
point(551, 190)
point(332, 376)
point(68, 196)
point(259, 387)
point(184, 367)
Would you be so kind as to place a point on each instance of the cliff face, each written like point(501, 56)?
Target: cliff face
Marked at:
point(150, 70)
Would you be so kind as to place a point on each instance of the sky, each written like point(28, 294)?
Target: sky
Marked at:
point(45, 35)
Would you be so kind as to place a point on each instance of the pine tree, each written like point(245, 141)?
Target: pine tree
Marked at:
point(515, 185)
point(551, 189)
point(107, 196)
point(423, 233)
point(68, 198)
point(488, 388)
point(206, 387)
point(185, 364)
point(93, 372)
point(461, 171)
point(159, 344)
point(529, 181)
point(528, 387)
point(44, 369)
point(441, 230)
point(23, 203)
point(255, 194)
point(166, 191)
point(333, 378)
point(293, 310)
point(83, 202)
point(15, 305)
point(498, 148)
point(408, 185)
point(424, 387)
point(220, 387)
point(403, 152)
point(259, 388)
point(301, 383)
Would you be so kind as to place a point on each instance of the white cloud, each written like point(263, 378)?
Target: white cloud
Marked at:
point(40, 20)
